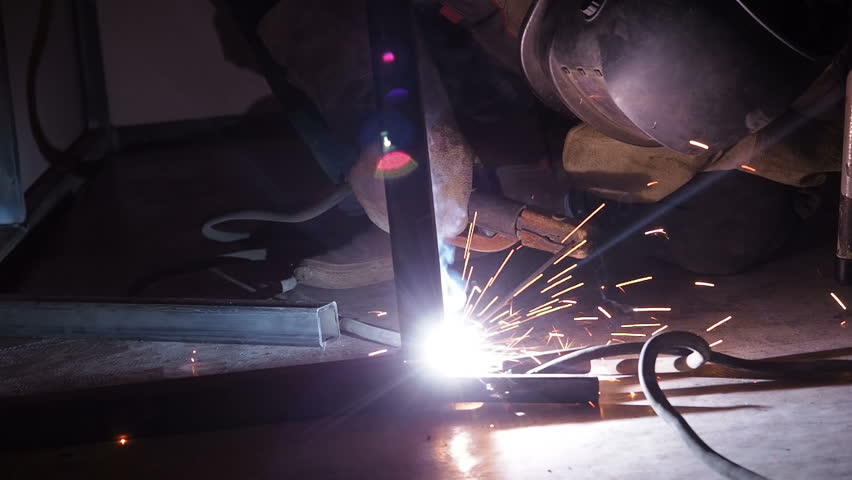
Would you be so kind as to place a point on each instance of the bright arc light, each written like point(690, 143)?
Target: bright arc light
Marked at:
point(458, 348)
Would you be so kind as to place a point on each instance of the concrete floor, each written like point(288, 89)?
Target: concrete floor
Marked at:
point(778, 428)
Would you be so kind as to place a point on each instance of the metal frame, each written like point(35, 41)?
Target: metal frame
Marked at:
point(410, 205)
point(12, 209)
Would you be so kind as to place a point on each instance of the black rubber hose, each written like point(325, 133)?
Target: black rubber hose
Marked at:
point(657, 399)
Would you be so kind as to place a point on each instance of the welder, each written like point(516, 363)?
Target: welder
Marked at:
point(712, 120)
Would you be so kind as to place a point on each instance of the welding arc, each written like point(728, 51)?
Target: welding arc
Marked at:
point(697, 353)
point(208, 230)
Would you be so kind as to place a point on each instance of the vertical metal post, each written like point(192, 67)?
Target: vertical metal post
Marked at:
point(843, 270)
point(12, 210)
point(408, 189)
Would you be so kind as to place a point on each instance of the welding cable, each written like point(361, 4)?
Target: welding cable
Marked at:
point(370, 332)
point(340, 193)
point(664, 343)
point(697, 352)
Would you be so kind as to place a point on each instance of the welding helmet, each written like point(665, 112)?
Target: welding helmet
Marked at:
point(691, 75)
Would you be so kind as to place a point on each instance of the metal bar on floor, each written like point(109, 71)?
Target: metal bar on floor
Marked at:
point(194, 321)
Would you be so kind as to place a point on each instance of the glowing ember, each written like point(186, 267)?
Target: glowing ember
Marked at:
point(837, 299)
point(704, 284)
point(123, 440)
point(651, 184)
point(748, 168)
point(569, 252)
point(696, 143)
point(659, 330)
point(720, 322)
point(563, 272)
point(657, 231)
point(560, 282)
point(581, 224)
point(632, 282)
point(717, 342)
point(537, 277)
point(559, 294)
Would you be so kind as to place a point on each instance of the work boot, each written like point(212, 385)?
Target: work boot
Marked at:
point(364, 260)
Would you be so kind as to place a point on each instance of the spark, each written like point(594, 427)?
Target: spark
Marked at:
point(748, 168)
point(652, 309)
point(540, 310)
point(378, 313)
point(559, 294)
point(696, 143)
point(639, 325)
point(632, 282)
point(560, 282)
point(622, 334)
point(838, 300)
point(481, 294)
point(469, 276)
point(580, 225)
point(563, 272)
point(498, 317)
point(632, 395)
point(511, 252)
point(556, 334)
point(544, 305)
point(588, 331)
point(569, 252)
point(659, 330)
point(123, 440)
point(488, 306)
point(711, 327)
point(470, 297)
point(549, 311)
point(192, 359)
point(194, 351)
point(535, 359)
point(617, 340)
point(603, 310)
point(469, 239)
point(592, 404)
point(717, 342)
point(651, 184)
point(843, 323)
point(657, 231)
point(377, 352)
point(584, 319)
point(704, 284)
point(537, 277)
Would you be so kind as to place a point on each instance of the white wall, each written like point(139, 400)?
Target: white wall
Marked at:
point(58, 88)
point(164, 61)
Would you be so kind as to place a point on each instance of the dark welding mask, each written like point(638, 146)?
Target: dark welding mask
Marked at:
point(692, 75)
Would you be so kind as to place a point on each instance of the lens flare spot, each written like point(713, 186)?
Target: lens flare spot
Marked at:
point(388, 57)
point(395, 164)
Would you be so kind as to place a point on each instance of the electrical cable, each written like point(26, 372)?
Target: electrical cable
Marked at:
point(697, 352)
point(209, 230)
